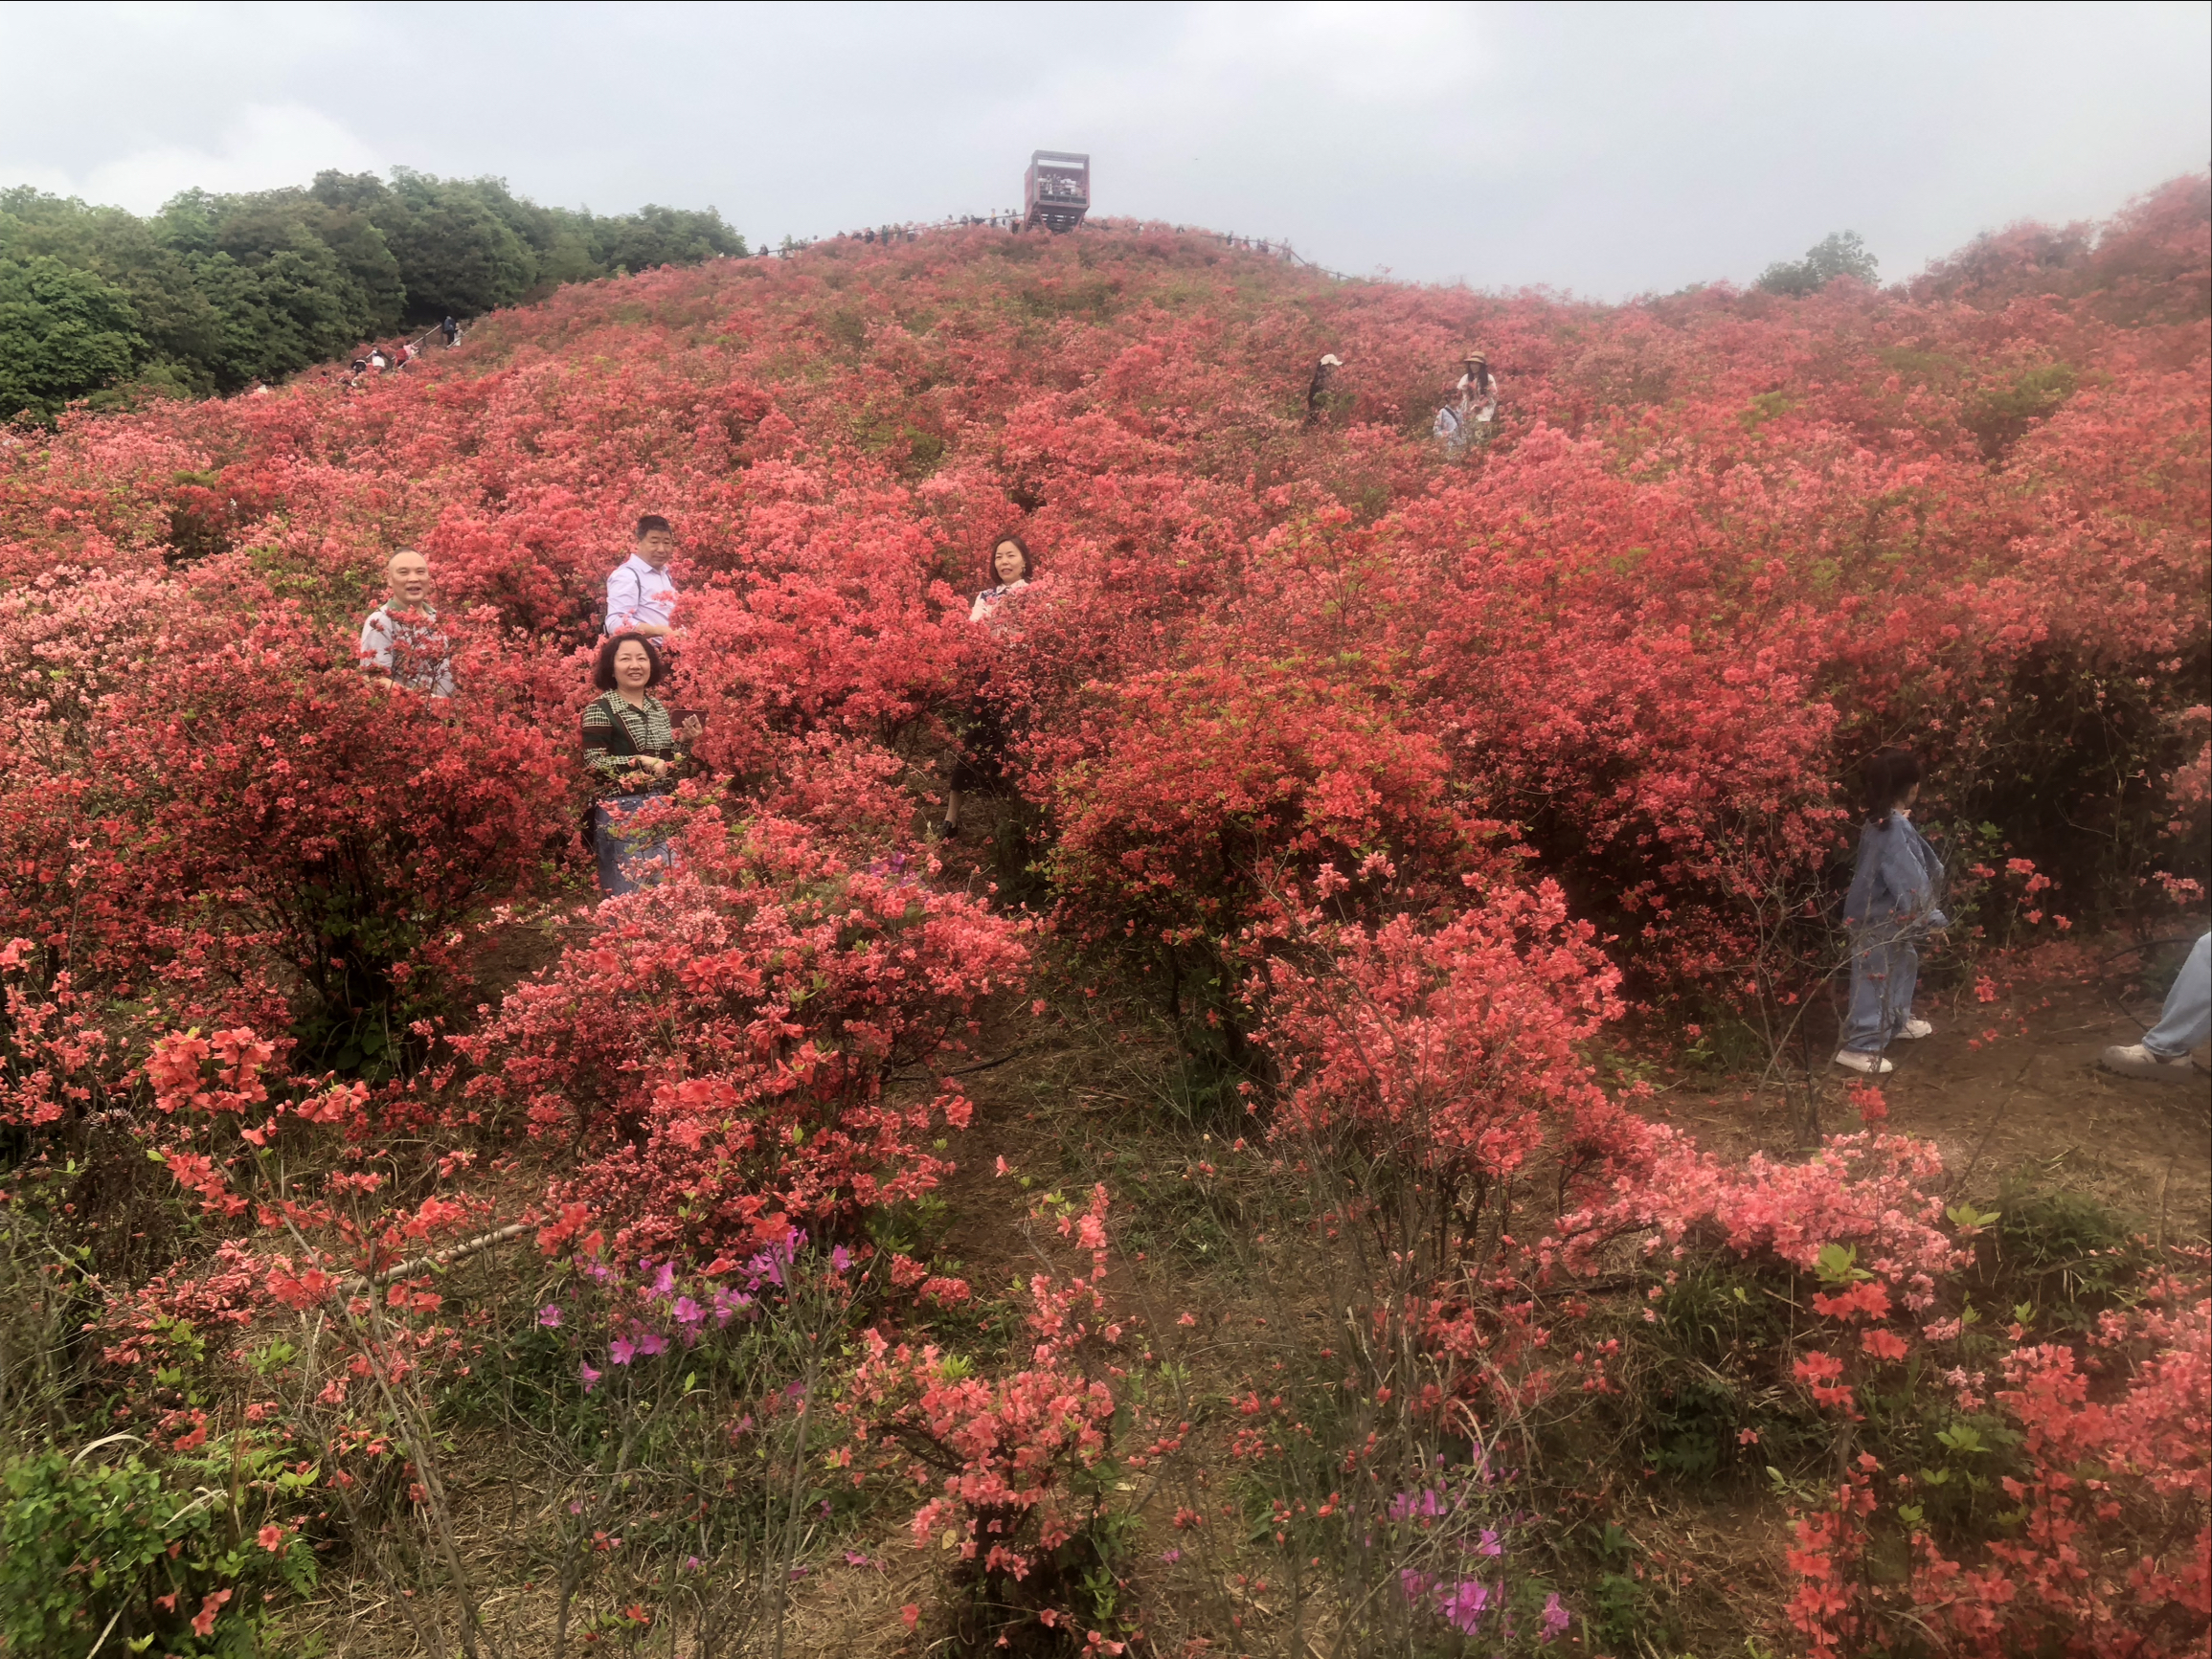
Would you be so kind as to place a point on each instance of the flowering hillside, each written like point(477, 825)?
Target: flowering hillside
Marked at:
point(1408, 799)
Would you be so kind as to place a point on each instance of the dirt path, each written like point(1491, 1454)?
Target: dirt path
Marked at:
point(2024, 1108)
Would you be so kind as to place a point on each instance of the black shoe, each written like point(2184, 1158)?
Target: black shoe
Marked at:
point(948, 831)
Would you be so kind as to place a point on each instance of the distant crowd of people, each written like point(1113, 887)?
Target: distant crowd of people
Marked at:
point(373, 361)
point(1013, 219)
point(1470, 409)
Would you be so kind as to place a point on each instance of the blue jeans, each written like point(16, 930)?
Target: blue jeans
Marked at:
point(1885, 972)
point(627, 859)
point(2187, 1019)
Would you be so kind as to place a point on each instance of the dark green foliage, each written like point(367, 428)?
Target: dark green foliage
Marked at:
point(1839, 254)
point(62, 333)
point(2060, 1258)
point(217, 291)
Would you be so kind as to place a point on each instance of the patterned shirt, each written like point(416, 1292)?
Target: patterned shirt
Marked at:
point(991, 598)
point(615, 735)
point(424, 659)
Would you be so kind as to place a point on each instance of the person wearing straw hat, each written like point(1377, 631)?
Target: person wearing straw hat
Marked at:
point(1477, 392)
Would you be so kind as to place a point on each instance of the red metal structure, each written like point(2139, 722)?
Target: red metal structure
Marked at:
point(1056, 191)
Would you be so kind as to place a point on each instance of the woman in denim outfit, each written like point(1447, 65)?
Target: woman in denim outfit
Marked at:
point(1891, 908)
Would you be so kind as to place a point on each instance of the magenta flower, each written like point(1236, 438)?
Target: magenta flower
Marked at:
point(687, 1312)
point(651, 1342)
point(591, 1377)
point(621, 1351)
point(840, 1258)
point(1463, 1606)
point(550, 1315)
point(1554, 1617)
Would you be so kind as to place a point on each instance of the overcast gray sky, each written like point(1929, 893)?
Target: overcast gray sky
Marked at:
point(1606, 149)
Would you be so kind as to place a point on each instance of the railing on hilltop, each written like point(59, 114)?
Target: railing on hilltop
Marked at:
point(1013, 219)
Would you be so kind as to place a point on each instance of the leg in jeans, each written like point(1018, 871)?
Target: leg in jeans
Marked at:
point(607, 843)
point(2187, 1020)
point(1884, 971)
point(628, 857)
point(1903, 982)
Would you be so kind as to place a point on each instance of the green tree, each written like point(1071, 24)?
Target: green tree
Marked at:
point(63, 334)
point(181, 328)
point(1839, 254)
point(458, 244)
point(657, 236)
point(283, 296)
point(221, 290)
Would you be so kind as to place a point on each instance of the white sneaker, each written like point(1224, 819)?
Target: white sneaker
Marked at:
point(2134, 1060)
point(1857, 1060)
point(1916, 1029)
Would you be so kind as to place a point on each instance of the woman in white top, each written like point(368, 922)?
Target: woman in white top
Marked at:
point(1477, 391)
point(1010, 563)
point(983, 756)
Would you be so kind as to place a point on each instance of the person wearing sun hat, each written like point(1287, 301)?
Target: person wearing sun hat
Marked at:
point(1477, 391)
point(1324, 372)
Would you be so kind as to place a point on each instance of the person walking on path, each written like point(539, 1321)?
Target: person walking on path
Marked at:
point(401, 641)
point(1892, 907)
point(631, 749)
point(452, 332)
point(2183, 1024)
point(641, 593)
point(1317, 388)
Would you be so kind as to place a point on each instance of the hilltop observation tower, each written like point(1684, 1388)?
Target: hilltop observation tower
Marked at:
point(1056, 190)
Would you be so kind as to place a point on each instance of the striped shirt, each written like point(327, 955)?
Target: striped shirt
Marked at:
point(615, 735)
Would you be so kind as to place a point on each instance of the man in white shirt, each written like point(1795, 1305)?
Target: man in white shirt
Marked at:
point(641, 597)
point(401, 641)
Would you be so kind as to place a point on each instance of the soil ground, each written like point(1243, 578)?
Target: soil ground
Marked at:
point(1065, 1101)
point(2034, 1111)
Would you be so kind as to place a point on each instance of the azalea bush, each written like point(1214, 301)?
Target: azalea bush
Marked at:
point(749, 1044)
point(1025, 1466)
point(213, 813)
point(104, 1545)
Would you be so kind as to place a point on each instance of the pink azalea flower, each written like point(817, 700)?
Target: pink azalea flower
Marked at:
point(1555, 1618)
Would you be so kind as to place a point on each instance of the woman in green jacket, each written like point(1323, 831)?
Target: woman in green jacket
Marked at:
point(630, 747)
